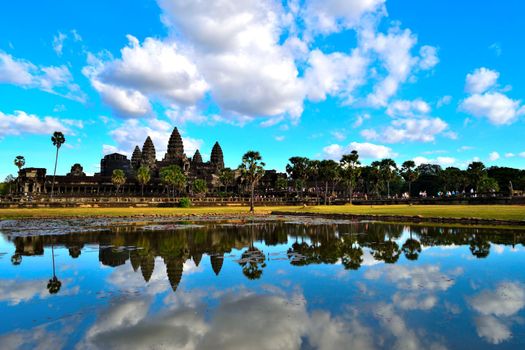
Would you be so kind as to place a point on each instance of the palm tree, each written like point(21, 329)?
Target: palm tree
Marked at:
point(143, 177)
point(58, 140)
point(172, 176)
point(226, 176)
point(328, 171)
point(410, 173)
point(388, 169)
point(200, 187)
point(252, 169)
point(118, 178)
point(411, 248)
point(20, 161)
point(297, 169)
point(351, 170)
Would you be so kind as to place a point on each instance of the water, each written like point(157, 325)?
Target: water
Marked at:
point(286, 284)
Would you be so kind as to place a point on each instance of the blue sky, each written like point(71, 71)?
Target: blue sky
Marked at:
point(434, 81)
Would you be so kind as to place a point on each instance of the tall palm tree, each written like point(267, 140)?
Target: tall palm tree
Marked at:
point(118, 178)
point(20, 161)
point(410, 173)
point(58, 140)
point(351, 170)
point(143, 177)
point(388, 170)
point(252, 169)
point(328, 171)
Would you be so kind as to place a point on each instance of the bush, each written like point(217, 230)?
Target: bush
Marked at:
point(185, 202)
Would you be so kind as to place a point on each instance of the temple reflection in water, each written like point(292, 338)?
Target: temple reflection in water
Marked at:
point(328, 243)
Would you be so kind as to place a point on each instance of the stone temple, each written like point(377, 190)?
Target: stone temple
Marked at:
point(36, 180)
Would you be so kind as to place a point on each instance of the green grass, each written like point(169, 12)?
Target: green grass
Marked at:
point(501, 212)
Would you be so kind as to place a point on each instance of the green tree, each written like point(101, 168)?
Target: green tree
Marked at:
point(388, 169)
point(199, 187)
point(143, 177)
point(409, 173)
point(58, 140)
point(252, 169)
point(488, 184)
point(297, 169)
point(328, 172)
point(173, 176)
point(118, 178)
point(227, 178)
point(350, 171)
point(8, 183)
point(476, 171)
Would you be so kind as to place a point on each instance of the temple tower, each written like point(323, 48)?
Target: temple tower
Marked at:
point(217, 157)
point(136, 158)
point(148, 153)
point(197, 158)
point(175, 147)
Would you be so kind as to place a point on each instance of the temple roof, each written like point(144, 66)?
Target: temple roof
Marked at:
point(175, 146)
point(197, 158)
point(148, 153)
point(217, 157)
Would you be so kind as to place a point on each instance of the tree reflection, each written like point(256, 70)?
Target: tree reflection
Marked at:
point(411, 248)
point(352, 254)
point(53, 285)
point(313, 243)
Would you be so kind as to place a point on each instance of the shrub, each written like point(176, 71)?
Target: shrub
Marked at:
point(185, 202)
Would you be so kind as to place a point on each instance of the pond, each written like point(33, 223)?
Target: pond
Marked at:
point(282, 283)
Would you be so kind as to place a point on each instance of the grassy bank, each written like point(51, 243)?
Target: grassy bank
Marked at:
point(499, 212)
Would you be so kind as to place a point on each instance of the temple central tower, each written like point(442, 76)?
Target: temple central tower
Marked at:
point(175, 150)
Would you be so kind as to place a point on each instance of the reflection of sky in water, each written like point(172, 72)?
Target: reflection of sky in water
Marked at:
point(446, 298)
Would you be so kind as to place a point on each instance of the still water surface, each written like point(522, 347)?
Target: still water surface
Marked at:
point(284, 284)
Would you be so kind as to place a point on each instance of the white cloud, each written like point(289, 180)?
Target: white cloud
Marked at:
point(492, 329)
point(335, 74)
point(494, 156)
point(506, 300)
point(404, 108)
point(181, 116)
point(495, 106)
point(58, 43)
point(360, 119)
point(57, 80)
point(365, 150)
point(509, 155)
point(429, 58)
point(443, 101)
point(154, 70)
point(236, 46)
point(394, 51)
point(481, 80)
point(339, 135)
point(443, 161)
point(329, 16)
point(410, 129)
point(22, 123)
point(14, 71)
point(484, 102)
point(279, 138)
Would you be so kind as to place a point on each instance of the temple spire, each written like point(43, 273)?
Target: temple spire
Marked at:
point(136, 157)
point(175, 146)
point(197, 158)
point(148, 153)
point(217, 157)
